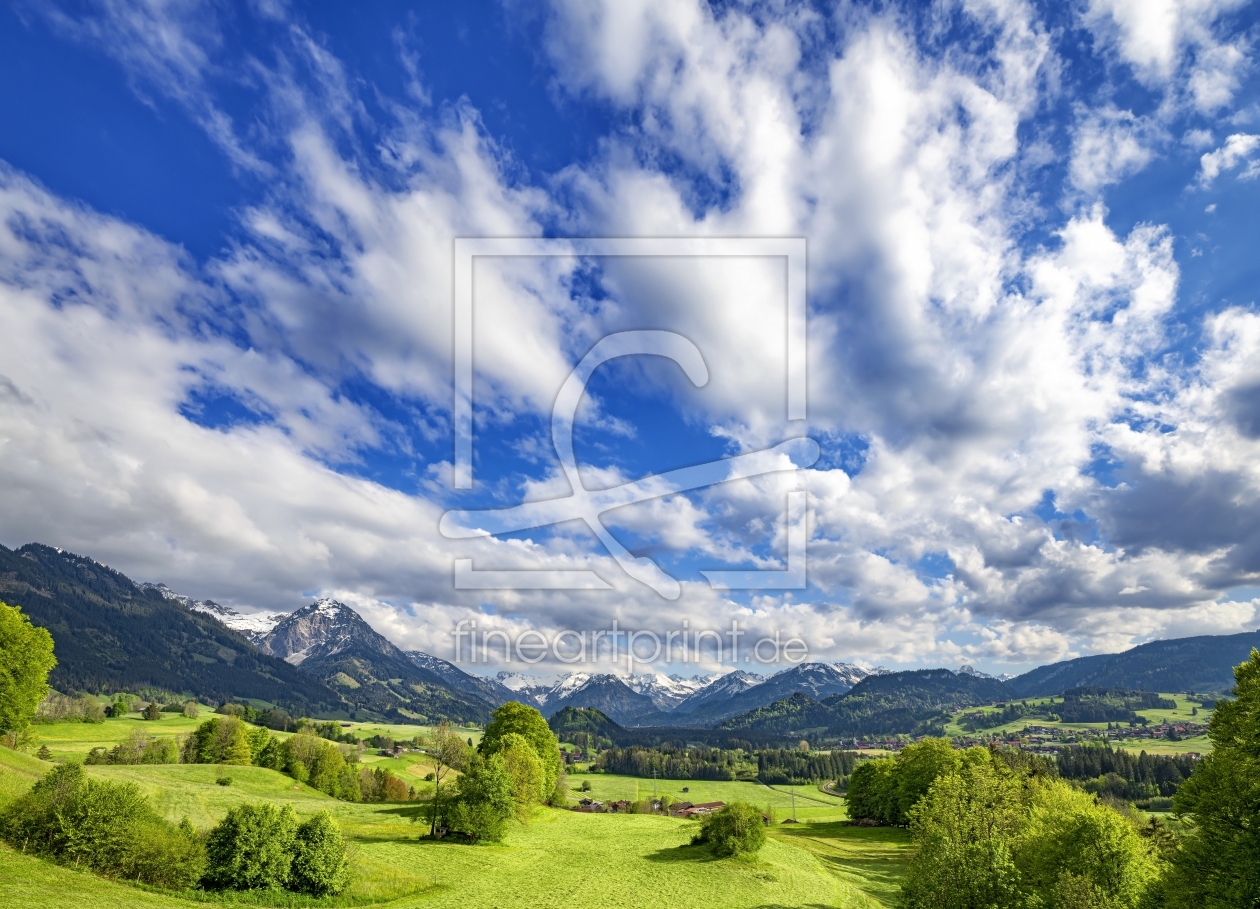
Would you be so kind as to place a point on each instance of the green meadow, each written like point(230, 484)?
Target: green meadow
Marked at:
point(560, 859)
point(1185, 711)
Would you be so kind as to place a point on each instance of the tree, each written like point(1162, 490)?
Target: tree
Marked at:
point(191, 710)
point(963, 832)
point(1218, 864)
point(153, 711)
point(872, 792)
point(738, 828)
point(447, 751)
point(251, 849)
point(528, 722)
point(319, 858)
point(526, 772)
point(26, 658)
point(484, 800)
point(1075, 851)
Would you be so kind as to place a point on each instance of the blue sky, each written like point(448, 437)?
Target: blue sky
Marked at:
point(225, 288)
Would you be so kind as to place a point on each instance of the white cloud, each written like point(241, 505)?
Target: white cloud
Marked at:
point(980, 373)
point(1237, 149)
point(1161, 39)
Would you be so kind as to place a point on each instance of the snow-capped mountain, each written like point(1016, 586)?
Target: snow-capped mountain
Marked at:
point(723, 688)
point(668, 691)
point(331, 641)
point(254, 625)
point(607, 693)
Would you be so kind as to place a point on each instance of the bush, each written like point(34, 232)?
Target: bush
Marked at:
point(57, 708)
point(319, 858)
point(106, 827)
point(736, 829)
point(251, 849)
point(139, 748)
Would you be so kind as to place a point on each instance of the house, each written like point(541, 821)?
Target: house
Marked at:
point(702, 809)
point(678, 808)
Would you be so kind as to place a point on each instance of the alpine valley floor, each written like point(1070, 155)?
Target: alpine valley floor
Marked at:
point(560, 859)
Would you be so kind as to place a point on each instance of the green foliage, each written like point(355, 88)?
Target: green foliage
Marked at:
point(1218, 864)
point(529, 723)
point(26, 658)
point(378, 784)
point(1072, 848)
point(220, 740)
point(887, 789)
point(251, 849)
point(985, 836)
point(485, 800)
point(191, 710)
point(736, 829)
point(153, 711)
point(526, 772)
point(59, 708)
point(107, 827)
point(781, 766)
point(963, 834)
point(139, 748)
point(319, 858)
point(678, 762)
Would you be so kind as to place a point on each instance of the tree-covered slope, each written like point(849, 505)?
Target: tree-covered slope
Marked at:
point(1203, 663)
point(109, 634)
point(896, 702)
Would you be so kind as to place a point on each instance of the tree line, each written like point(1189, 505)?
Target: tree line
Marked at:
point(1142, 777)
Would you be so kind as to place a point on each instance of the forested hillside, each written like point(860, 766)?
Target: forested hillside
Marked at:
point(110, 635)
point(1203, 663)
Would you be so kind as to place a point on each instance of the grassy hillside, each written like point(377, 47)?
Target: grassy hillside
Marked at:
point(1183, 712)
point(561, 859)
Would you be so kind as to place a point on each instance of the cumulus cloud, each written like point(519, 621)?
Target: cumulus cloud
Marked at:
point(1161, 39)
point(982, 374)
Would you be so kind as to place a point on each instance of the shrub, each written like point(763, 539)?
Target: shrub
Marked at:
point(481, 822)
point(107, 827)
point(44, 754)
point(191, 710)
point(319, 858)
point(59, 708)
point(138, 748)
point(223, 781)
point(251, 848)
point(738, 828)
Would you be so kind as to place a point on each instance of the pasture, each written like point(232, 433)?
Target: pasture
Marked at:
point(560, 859)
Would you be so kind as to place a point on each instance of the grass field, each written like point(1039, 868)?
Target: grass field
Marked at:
point(811, 804)
point(561, 859)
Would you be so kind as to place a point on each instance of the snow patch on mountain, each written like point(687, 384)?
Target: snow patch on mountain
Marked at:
point(667, 691)
point(254, 625)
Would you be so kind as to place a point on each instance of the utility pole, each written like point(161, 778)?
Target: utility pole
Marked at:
point(794, 805)
point(653, 782)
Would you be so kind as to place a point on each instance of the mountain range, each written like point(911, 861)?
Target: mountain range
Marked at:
point(325, 659)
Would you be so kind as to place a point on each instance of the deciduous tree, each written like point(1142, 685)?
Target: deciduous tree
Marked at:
point(26, 658)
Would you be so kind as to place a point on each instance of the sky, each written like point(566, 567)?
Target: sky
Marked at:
point(227, 319)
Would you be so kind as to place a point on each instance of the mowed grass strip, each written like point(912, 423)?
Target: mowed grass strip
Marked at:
point(872, 860)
